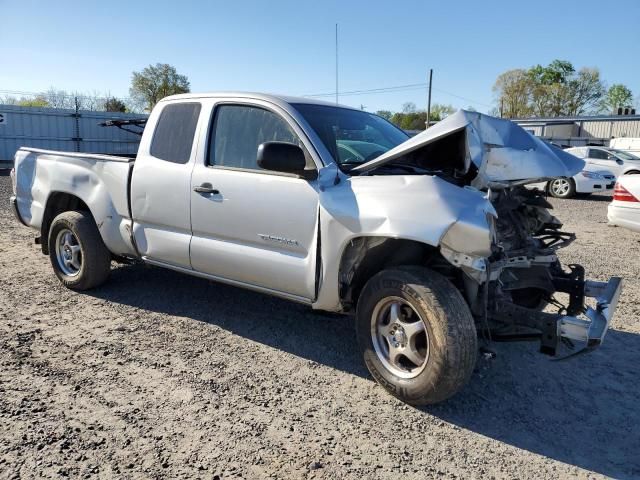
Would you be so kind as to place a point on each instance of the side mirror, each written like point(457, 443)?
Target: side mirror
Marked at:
point(619, 162)
point(282, 157)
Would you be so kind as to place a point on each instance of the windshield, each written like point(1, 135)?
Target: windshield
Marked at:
point(623, 155)
point(352, 137)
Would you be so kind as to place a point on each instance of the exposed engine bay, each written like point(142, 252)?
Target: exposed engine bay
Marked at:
point(528, 272)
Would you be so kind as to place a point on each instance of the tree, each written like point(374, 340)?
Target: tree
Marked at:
point(549, 91)
point(38, 101)
point(386, 114)
point(584, 92)
point(440, 111)
point(113, 104)
point(408, 107)
point(617, 96)
point(513, 89)
point(156, 82)
point(558, 71)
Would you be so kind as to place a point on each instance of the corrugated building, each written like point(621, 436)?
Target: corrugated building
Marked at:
point(586, 130)
point(59, 129)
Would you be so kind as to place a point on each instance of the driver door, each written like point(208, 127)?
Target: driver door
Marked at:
point(250, 226)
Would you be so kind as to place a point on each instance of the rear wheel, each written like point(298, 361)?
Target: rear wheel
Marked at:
point(562, 188)
point(78, 255)
point(416, 334)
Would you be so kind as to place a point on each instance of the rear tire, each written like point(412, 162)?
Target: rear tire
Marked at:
point(78, 255)
point(562, 188)
point(420, 363)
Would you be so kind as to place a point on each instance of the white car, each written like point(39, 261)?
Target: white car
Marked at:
point(624, 210)
point(616, 161)
point(584, 182)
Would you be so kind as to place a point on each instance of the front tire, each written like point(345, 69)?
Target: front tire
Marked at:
point(562, 188)
point(78, 255)
point(416, 334)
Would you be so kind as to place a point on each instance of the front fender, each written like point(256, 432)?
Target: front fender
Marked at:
point(422, 208)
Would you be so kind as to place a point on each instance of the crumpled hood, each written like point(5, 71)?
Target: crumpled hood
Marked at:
point(503, 153)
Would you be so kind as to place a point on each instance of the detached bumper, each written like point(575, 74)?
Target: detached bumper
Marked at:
point(591, 332)
point(16, 212)
point(582, 329)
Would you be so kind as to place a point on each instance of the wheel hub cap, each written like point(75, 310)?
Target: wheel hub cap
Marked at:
point(68, 253)
point(400, 337)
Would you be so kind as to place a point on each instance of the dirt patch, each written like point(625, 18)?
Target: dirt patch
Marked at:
point(159, 375)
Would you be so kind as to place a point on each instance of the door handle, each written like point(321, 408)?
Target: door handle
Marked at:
point(206, 188)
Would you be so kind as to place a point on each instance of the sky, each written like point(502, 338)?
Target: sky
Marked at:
point(288, 47)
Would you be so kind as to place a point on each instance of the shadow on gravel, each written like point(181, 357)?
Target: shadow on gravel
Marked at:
point(584, 412)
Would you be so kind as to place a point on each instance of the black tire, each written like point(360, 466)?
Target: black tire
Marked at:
point(450, 327)
point(95, 263)
point(568, 190)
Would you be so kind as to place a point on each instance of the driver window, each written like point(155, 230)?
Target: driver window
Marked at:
point(238, 130)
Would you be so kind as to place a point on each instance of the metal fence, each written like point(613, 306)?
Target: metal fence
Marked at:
point(59, 129)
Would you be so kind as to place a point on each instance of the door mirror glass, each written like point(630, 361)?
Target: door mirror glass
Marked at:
point(281, 157)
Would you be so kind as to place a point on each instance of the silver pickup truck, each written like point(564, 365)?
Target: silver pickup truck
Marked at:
point(432, 241)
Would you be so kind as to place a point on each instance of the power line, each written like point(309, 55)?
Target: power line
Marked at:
point(394, 89)
point(412, 86)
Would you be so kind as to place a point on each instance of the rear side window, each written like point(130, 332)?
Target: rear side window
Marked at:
point(174, 133)
point(238, 130)
point(599, 154)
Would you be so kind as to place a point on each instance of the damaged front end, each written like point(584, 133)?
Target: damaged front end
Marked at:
point(515, 285)
point(527, 294)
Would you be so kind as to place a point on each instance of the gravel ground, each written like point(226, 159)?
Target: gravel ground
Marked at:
point(159, 375)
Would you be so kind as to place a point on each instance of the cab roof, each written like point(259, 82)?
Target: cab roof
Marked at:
point(273, 98)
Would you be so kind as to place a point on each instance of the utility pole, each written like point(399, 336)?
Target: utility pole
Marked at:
point(429, 100)
point(501, 106)
point(362, 107)
point(336, 63)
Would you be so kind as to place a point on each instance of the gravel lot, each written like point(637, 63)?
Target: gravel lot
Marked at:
point(159, 375)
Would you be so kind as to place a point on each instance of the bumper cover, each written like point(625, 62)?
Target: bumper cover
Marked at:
point(591, 332)
point(581, 329)
point(14, 207)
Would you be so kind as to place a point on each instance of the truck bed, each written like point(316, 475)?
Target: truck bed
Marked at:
point(99, 181)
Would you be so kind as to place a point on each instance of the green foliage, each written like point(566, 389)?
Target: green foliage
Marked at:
point(440, 111)
point(38, 101)
point(413, 119)
point(386, 114)
point(410, 120)
point(549, 91)
point(558, 71)
point(156, 82)
point(618, 95)
point(113, 104)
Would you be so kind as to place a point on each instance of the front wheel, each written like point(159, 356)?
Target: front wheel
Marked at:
point(562, 188)
point(416, 334)
point(78, 255)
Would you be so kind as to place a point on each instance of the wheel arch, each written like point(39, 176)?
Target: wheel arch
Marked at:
point(57, 203)
point(365, 256)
